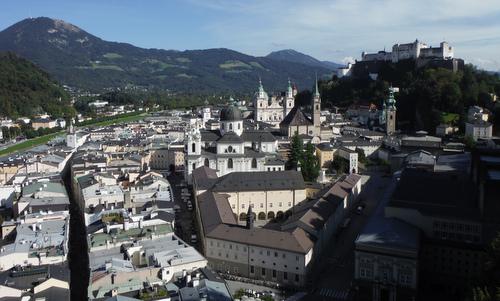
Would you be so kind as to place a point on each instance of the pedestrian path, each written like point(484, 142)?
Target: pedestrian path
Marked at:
point(333, 294)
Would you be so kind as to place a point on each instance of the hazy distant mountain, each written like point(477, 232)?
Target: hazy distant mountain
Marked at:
point(290, 55)
point(79, 59)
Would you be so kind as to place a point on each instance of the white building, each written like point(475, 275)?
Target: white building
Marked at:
point(40, 239)
point(479, 129)
point(273, 109)
point(413, 51)
point(230, 149)
point(147, 254)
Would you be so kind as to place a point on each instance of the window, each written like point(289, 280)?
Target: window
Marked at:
point(268, 253)
point(230, 149)
point(254, 163)
point(242, 206)
point(296, 278)
point(275, 254)
point(252, 269)
point(285, 275)
point(274, 273)
point(193, 147)
point(194, 166)
point(230, 163)
point(207, 163)
point(239, 126)
point(263, 272)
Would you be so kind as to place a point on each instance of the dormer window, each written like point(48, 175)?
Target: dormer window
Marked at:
point(230, 149)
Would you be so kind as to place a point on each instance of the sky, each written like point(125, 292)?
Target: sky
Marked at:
point(335, 30)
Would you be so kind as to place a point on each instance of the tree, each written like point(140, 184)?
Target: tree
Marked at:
point(296, 150)
point(310, 163)
point(339, 164)
point(361, 155)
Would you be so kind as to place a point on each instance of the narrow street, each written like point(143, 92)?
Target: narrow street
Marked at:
point(78, 256)
point(334, 278)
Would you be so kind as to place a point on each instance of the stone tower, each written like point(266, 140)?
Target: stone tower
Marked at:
point(390, 112)
point(289, 99)
point(316, 106)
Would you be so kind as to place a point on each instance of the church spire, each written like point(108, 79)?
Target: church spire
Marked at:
point(316, 92)
point(250, 218)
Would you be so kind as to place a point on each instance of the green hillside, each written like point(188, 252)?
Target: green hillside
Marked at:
point(26, 90)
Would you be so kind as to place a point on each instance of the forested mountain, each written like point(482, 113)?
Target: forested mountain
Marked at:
point(290, 55)
point(426, 94)
point(79, 59)
point(25, 90)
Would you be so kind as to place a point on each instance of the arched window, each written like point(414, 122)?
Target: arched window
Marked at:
point(207, 163)
point(262, 216)
point(254, 163)
point(230, 149)
point(230, 126)
point(194, 166)
point(230, 163)
point(193, 147)
point(243, 216)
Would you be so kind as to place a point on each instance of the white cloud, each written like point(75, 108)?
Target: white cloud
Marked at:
point(337, 29)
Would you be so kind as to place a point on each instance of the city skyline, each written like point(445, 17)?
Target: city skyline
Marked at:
point(327, 30)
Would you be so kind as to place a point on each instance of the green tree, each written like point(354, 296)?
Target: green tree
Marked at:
point(339, 164)
point(296, 150)
point(361, 155)
point(310, 163)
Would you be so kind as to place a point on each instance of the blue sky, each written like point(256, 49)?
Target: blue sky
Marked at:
point(337, 30)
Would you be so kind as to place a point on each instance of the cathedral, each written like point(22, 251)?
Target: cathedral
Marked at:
point(273, 110)
point(232, 148)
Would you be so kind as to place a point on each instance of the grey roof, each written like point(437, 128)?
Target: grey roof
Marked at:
point(209, 135)
point(23, 278)
point(230, 113)
point(230, 137)
point(388, 233)
point(260, 180)
point(258, 136)
point(296, 117)
point(436, 193)
point(321, 211)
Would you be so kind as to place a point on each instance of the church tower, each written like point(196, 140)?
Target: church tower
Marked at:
point(289, 99)
point(71, 136)
point(390, 112)
point(316, 106)
point(260, 103)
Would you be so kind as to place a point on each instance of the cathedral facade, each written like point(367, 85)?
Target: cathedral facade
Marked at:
point(273, 109)
point(231, 148)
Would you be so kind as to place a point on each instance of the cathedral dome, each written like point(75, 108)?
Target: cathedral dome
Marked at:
point(231, 113)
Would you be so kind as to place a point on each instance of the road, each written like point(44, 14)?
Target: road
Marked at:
point(185, 220)
point(335, 275)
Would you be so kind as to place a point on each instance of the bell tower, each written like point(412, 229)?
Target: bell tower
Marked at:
point(316, 106)
point(390, 112)
point(289, 99)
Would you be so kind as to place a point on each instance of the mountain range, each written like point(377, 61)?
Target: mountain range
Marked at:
point(79, 59)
